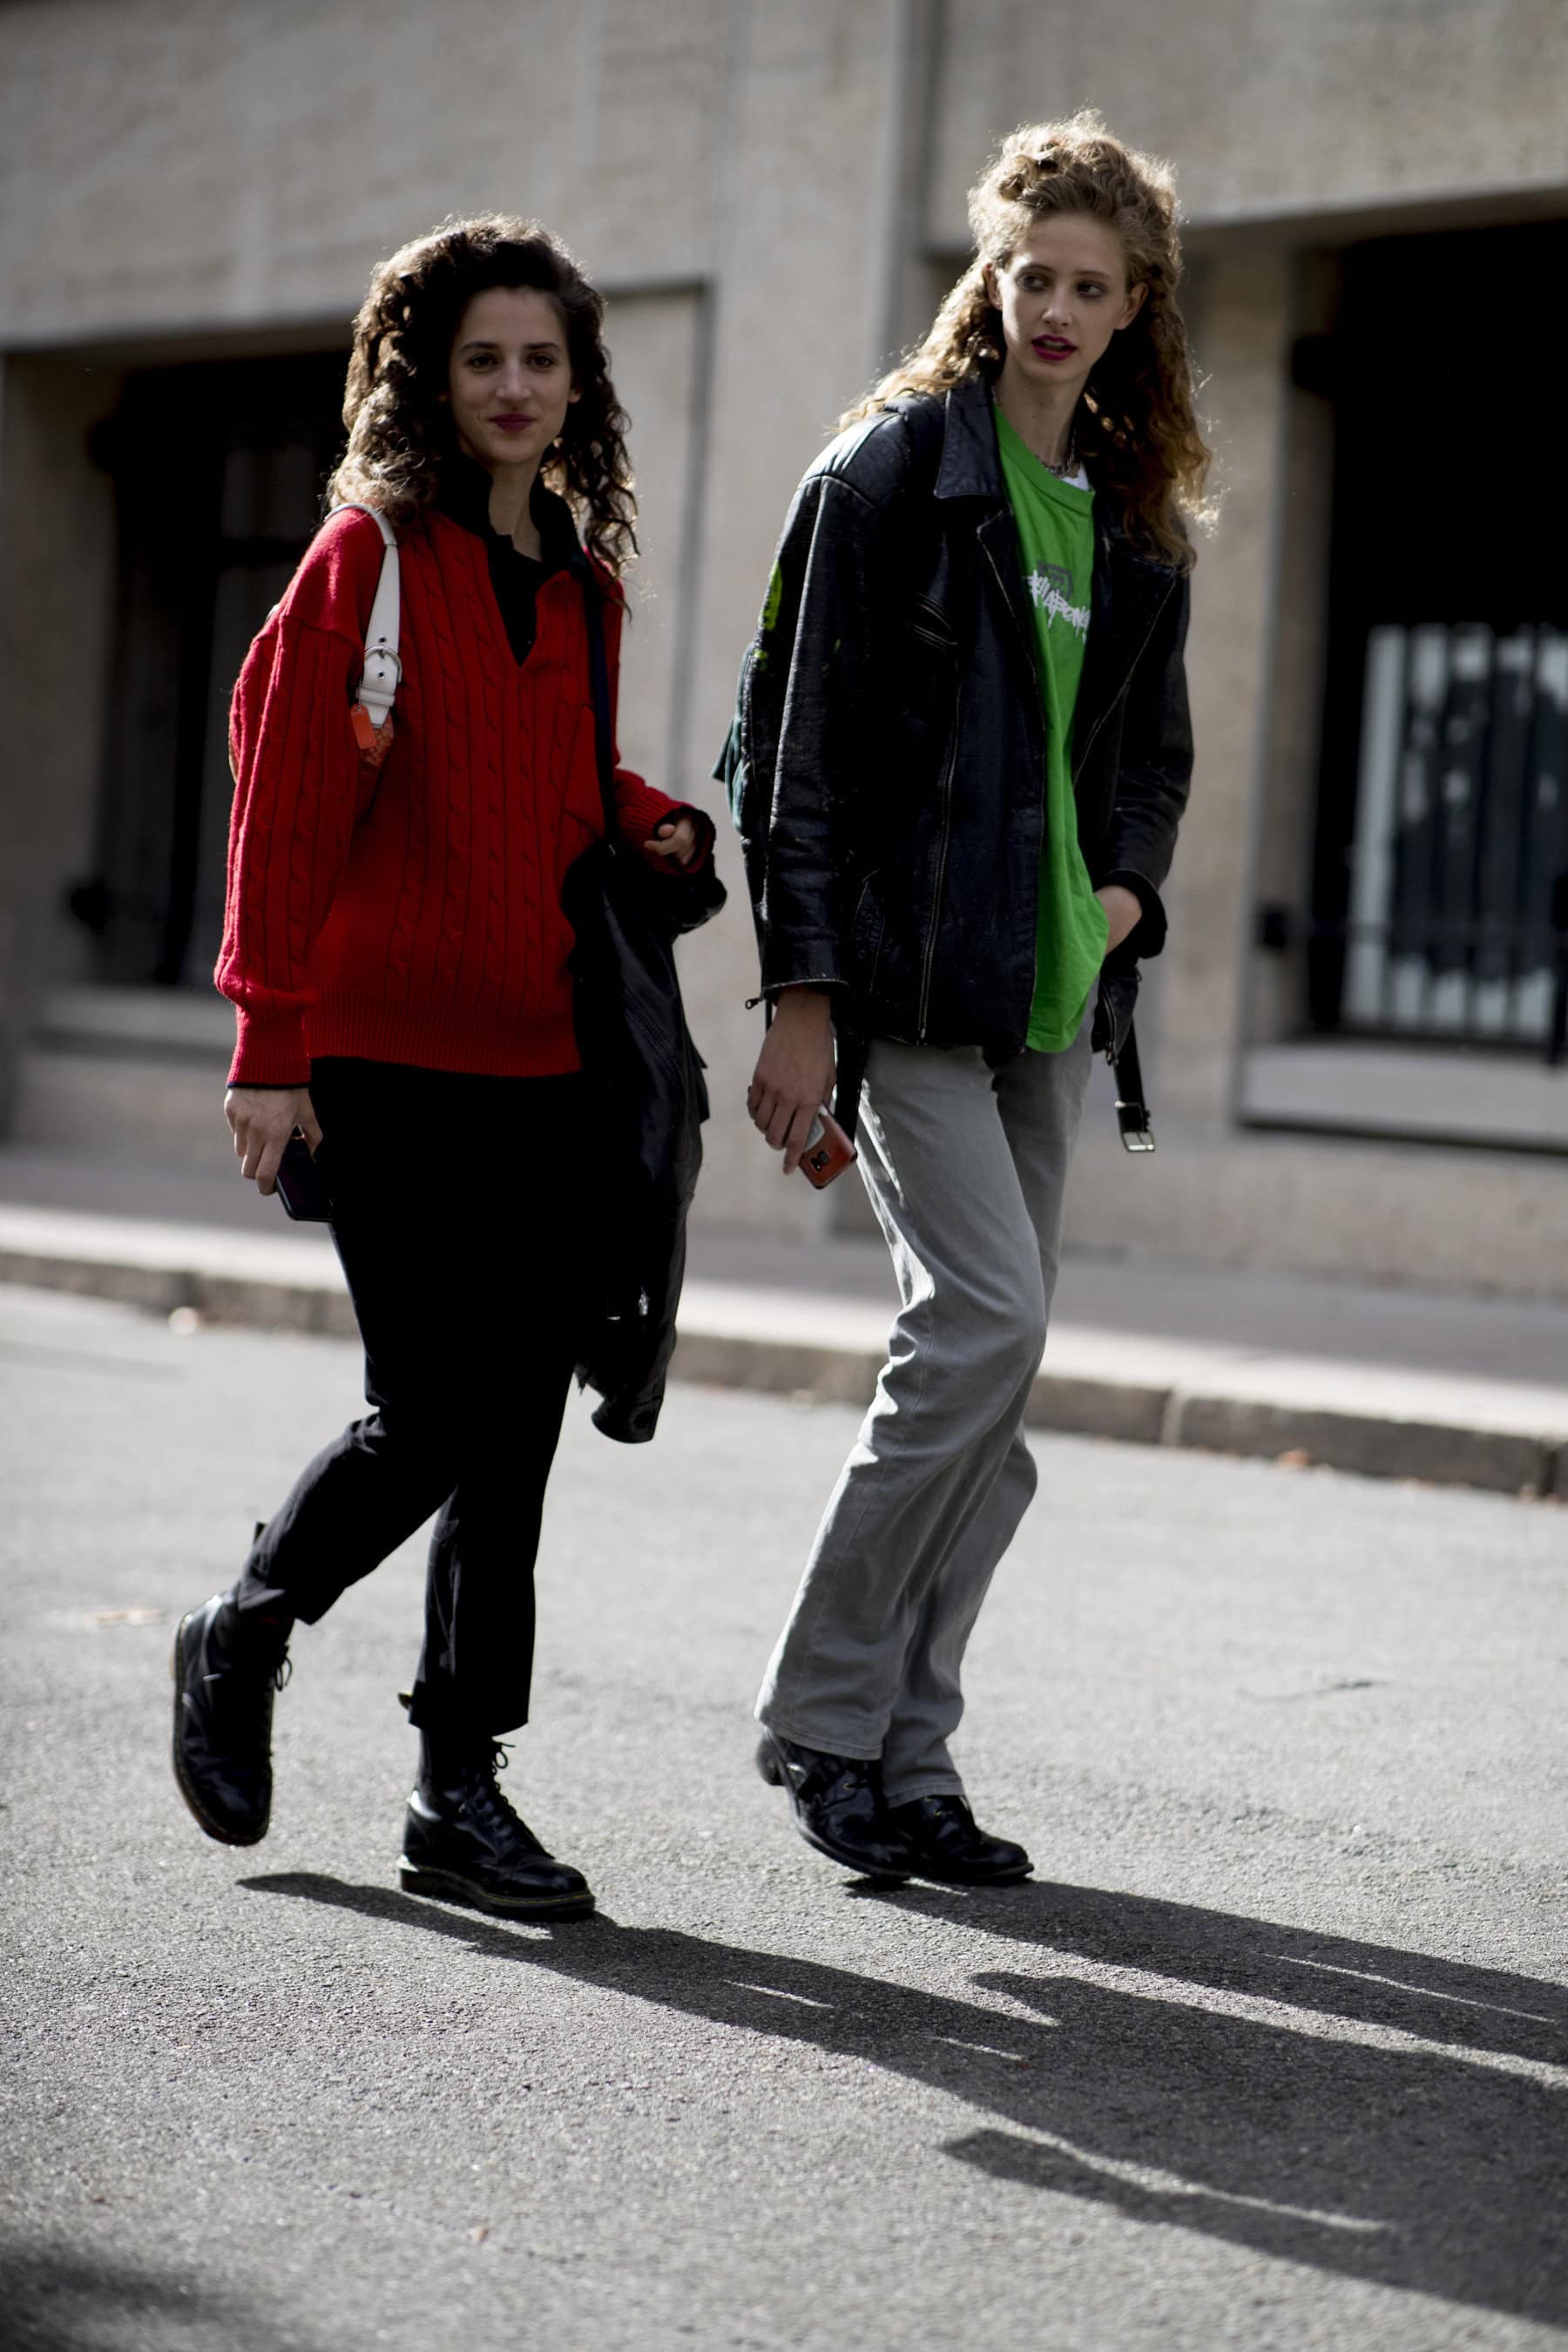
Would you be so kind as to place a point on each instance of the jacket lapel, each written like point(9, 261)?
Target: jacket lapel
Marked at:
point(970, 468)
point(1126, 593)
point(998, 537)
point(1124, 603)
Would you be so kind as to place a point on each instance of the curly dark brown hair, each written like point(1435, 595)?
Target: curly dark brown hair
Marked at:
point(1136, 428)
point(399, 427)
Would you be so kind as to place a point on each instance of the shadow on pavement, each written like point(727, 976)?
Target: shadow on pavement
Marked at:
point(71, 2301)
point(1440, 2000)
point(1427, 2169)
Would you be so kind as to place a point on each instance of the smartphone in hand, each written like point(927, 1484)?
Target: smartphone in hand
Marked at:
point(829, 1151)
point(301, 1184)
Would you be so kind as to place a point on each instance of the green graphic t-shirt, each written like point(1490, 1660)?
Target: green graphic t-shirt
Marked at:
point(1056, 541)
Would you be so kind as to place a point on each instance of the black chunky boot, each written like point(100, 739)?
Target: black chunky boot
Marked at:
point(227, 1668)
point(462, 1842)
point(837, 1805)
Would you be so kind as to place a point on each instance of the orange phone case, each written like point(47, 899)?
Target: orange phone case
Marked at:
point(829, 1151)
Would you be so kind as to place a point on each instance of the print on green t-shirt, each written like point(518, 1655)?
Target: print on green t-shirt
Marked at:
point(1056, 543)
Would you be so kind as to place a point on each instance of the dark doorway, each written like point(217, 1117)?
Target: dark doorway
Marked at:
point(219, 468)
point(1441, 877)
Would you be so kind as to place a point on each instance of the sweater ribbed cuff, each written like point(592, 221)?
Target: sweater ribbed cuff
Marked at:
point(642, 810)
point(269, 1050)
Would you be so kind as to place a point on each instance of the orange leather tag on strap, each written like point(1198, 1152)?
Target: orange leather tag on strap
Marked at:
point(374, 742)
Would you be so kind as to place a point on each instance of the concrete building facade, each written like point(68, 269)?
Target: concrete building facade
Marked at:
point(1349, 1036)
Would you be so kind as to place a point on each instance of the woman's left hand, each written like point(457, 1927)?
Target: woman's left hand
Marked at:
point(1123, 913)
point(673, 842)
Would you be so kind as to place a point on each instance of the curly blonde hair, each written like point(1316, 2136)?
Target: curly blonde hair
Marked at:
point(400, 426)
point(1136, 429)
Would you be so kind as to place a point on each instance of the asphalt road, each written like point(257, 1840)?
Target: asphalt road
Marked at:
point(1272, 2054)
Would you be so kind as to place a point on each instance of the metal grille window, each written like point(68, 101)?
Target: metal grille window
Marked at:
point(1439, 891)
point(218, 469)
point(1458, 913)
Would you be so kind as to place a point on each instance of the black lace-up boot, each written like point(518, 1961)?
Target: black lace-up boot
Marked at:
point(837, 1805)
point(463, 1844)
point(948, 1844)
point(227, 1669)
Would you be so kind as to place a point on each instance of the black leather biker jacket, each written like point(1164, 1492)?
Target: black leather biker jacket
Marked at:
point(887, 763)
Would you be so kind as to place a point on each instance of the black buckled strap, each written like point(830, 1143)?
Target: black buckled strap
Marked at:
point(854, 1050)
point(1132, 1111)
point(599, 687)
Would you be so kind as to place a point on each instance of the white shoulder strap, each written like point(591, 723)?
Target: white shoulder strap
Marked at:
point(378, 685)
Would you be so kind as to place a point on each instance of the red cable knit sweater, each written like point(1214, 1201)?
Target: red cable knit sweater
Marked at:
point(412, 914)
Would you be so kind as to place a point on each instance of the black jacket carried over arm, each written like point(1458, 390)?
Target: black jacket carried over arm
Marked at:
point(886, 764)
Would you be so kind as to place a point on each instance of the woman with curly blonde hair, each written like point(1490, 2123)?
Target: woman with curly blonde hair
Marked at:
point(959, 756)
point(396, 948)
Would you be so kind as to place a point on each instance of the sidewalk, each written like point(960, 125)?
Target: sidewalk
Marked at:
point(1390, 1382)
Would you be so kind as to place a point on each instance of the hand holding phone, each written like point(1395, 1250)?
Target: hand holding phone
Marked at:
point(795, 1074)
point(829, 1151)
point(301, 1185)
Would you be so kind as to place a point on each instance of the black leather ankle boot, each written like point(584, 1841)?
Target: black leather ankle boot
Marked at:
point(838, 1807)
point(949, 1846)
point(227, 1668)
point(462, 1842)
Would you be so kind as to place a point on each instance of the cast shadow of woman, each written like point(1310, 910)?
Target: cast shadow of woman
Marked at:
point(1433, 2162)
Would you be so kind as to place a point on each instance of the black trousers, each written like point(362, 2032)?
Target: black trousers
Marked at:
point(460, 1215)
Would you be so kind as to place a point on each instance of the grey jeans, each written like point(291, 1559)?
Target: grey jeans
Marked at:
point(966, 1168)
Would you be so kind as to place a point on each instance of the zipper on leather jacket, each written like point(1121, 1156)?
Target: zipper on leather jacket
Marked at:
point(1126, 681)
point(942, 635)
point(1029, 657)
point(1007, 602)
point(944, 798)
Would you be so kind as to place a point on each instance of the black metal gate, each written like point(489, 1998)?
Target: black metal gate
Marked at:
point(1440, 891)
point(1458, 923)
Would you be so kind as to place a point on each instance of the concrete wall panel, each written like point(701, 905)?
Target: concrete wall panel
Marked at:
point(1269, 109)
point(654, 352)
point(57, 526)
point(168, 163)
point(1244, 331)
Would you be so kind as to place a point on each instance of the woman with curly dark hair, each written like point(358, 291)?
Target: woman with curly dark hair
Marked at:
point(398, 951)
point(960, 758)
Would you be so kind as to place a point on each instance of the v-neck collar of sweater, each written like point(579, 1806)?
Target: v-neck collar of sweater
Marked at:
point(517, 581)
point(464, 496)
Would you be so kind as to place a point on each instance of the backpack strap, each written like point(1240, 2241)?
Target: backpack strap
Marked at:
point(377, 690)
